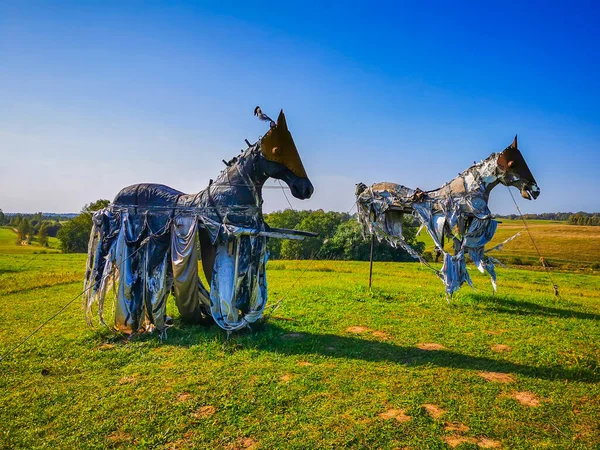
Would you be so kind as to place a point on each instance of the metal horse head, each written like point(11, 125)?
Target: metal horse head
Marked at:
point(280, 158)
point(515, 172)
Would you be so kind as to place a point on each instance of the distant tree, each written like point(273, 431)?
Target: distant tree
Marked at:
point(288, 218)
point(16, 220)
point(95, 206)
point(23, 229)
point(2, 217)
point(43, 235)
point(348, 243)
point(53, 228)
point(74, 235)
point(324, 223)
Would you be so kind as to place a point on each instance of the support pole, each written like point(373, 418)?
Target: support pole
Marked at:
point(371, 260)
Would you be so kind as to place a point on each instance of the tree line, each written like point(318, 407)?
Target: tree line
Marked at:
point(560, 216)
point(582, 218)
point(340, 237)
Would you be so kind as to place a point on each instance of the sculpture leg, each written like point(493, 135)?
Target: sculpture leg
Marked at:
point(184, 254)
point(224, 286)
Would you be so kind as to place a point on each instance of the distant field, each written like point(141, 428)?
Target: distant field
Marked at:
point(335, 366)
point(563, 245)
point(8, 246)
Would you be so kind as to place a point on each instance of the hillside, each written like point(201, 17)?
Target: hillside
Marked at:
point(563, 245)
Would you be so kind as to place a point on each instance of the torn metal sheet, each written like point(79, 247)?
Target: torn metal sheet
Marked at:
point(148, 241)
point(458, 211)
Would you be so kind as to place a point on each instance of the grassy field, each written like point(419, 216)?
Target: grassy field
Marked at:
point(335, 366)
point(8, 246)
point(562, 245)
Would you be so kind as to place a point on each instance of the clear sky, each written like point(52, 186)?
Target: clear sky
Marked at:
point(95, 96)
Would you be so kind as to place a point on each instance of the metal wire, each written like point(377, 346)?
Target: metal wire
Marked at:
point(542, 260)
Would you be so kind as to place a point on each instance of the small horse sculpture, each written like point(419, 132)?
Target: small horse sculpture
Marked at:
point(144, 244)
point(458, 209)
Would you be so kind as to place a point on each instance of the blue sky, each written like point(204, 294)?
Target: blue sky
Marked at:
point(95, 96)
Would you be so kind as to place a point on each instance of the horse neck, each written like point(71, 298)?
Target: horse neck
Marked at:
point(242, 181)
point(481, 178)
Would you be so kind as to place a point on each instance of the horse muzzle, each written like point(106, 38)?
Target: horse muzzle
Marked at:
point(530, 192)
point(302, 188)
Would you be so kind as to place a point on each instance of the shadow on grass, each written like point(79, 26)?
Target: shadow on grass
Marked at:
point(511, 306)
point(271, 337)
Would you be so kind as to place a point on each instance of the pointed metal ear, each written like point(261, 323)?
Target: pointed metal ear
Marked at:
point(281, 120)
point(514, 144)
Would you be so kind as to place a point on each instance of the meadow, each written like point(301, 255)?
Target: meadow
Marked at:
point(332, 365)
point(562, 245)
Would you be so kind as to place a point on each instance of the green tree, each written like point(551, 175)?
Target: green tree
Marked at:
point(53, 228)
point(23, 229)
point(287, 218)
point(324, 223)
point(2, 217)
point(348, 243)
point(16, 220)
point(43, 235)
point(74, 235)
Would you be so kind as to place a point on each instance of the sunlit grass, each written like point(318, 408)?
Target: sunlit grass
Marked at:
point(330, 368)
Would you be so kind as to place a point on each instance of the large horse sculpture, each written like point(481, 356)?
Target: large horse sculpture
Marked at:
point(144, 244)
point(457, 210)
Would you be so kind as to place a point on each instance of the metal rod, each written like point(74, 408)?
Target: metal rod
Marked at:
point(297, 232)
point(371, 259)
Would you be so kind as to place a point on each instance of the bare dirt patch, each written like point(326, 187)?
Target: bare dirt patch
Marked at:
point(497, 377)
point(455, 441)
point(457, 427)
point(397, 414)
point(130, 379)
point(501, 348)
point(357, 329)
point(488, 443)
point(118, 437)
point(495, 332)
point(304, 364)
point(286, 378)
point(246, 443)
point(204, 412)
point(183, 397)
point(434, 410)
point(429, 346)
point(381, 335)
point(526, 398)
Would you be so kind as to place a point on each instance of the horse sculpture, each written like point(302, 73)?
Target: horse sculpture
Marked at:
point(458, 210)
point(144, 244)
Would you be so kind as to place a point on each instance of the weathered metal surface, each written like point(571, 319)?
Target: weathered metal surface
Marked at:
point(145, 243)
point(458, 210)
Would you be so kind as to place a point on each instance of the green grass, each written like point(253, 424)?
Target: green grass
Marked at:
point(305, 378)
